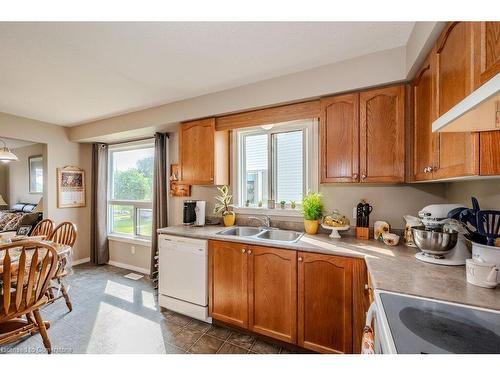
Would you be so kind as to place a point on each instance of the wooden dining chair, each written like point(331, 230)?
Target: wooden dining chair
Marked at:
point(43, 228)
point(64, 234)
point(26, 269)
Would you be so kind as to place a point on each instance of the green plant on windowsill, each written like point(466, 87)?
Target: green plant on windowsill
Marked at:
point(293, 205)
point(312, 209)
point(282, 204)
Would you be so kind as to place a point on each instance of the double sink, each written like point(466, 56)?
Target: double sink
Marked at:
point(263, 233)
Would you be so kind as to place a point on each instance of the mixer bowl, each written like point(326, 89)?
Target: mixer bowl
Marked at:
point(436, 241)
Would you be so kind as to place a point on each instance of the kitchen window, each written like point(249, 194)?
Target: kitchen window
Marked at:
point(275, 161)
point(130, 190)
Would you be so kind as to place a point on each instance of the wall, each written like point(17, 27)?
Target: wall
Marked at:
point(486, 191)
point(131, 256)
point(60, 152)
point(4, 175)
point(18, 175)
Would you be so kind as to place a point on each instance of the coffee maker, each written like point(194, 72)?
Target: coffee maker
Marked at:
point(194, 212)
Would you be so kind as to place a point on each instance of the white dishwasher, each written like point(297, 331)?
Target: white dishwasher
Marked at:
point(183, 276)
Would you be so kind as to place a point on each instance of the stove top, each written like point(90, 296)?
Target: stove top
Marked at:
point(422, 326)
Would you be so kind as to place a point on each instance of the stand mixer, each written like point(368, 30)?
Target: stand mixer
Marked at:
point(440, 239)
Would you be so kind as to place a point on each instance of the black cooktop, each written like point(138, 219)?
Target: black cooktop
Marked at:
point(426, 327)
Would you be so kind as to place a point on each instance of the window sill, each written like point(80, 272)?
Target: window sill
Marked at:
point(130, 240)
point(282, 212)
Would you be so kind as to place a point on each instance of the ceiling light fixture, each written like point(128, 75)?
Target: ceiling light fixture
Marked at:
point(5, 154)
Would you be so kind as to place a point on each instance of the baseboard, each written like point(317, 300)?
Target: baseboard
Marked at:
point(80, 261)
point(129, 267)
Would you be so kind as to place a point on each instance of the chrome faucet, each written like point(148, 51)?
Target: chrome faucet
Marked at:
point(265, 220)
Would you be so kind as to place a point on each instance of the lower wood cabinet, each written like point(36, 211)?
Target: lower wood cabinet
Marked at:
point(313, 300)
point(325, 303)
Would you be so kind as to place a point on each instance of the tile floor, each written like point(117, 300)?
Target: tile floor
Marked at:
point(112, 314)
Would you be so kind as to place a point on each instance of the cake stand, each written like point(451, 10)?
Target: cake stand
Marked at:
point(335, 230)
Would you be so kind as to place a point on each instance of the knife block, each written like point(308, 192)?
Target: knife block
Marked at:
point(362, 233)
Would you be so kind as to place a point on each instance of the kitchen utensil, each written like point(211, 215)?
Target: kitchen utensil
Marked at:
point(367, 209)
point(475, 204)
point(437, 241)
point(488, 254)
point(410, 221)
point(359, 213)
point(481, 273)
point(488, 224)
point(390, 239)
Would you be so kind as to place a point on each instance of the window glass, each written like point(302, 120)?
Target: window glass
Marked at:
point(289, 162)
point(256, 168)
point(122, 219)
point(144, 221)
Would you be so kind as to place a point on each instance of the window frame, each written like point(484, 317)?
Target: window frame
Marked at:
point(310, 163)
point(136, 204)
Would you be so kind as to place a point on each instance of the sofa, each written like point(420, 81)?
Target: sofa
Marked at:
point(18, 215)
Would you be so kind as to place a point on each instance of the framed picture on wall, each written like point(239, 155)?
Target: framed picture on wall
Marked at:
point(70, 187)
point(35, 165)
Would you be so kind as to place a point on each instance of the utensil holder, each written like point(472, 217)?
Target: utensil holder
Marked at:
point(362, 233)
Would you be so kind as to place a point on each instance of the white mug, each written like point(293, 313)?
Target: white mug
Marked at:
point(480, 273)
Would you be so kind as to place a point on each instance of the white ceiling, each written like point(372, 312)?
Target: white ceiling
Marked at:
point(71, 73)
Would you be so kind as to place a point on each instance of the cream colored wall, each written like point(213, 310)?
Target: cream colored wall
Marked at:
point(60, 152)
point(130, 256)
point(4, 175)
point(486, 191)
point(18, 175)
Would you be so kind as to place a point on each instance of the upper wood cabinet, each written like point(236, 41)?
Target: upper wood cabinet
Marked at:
point(339, 121)
point(272, 284)
point(489, 153)
point(325, 295)
point(424, 141)
point(382, 139)
point(228, 282)
point(362, 136)
point(486, 51)
point(204, 153)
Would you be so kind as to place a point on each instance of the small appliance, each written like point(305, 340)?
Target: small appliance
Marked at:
point(189, 213)
point(440, 239)
point(200, 213)
point(487, 254)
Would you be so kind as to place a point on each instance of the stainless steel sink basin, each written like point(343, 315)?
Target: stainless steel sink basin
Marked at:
point(240, 231)
point(280, 235)
point(264, 234)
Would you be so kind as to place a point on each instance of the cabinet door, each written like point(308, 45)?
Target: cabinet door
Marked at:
point(272, 275)
point(228, 284)
point(325, 303)
point(424, 141)
point(458, 152)
point(196, 151)
point(490, 153)
point(382, 140)
point(340, 138)
point(486, 51)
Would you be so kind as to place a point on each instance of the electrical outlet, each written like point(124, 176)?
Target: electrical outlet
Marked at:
point(132, 250)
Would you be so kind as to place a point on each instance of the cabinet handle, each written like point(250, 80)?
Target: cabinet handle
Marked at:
point(355, 176)
point(363, 176)
point(300, 259)
point(426, 169)
point(249, 252)
point(243, 251)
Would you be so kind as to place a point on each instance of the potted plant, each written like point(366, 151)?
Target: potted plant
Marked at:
point(224, 202)
point(247, 203)
point(282, 204)
point(293, 205)
point(312, 209)
point(260, 203)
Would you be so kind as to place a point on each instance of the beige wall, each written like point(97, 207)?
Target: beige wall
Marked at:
point(60, 152)
point(486, 191)
point(4, 187)
point(130, 256)
point(18, 174)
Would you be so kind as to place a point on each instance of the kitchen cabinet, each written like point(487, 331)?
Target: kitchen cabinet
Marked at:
point(486, 51)
point(424, 141)
point(325, 297)
point(316, 301)
point(228, 282)
point(489, 153)
point(382, 139)
point(362, 136)
point(457, 152)
point(203, 153)
point(339, 121)
point(272, 286)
